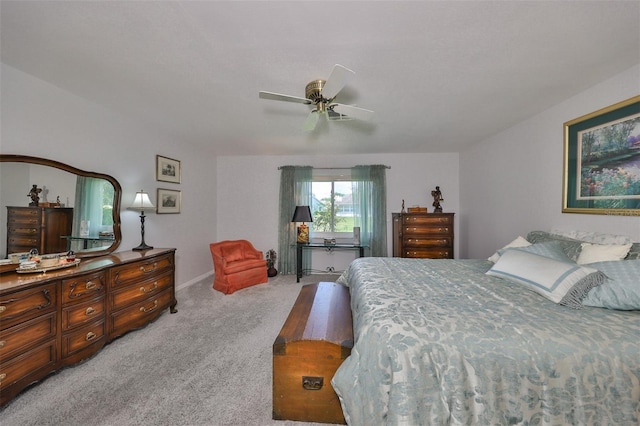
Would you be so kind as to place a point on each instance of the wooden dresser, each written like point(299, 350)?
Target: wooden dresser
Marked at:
point(423, 235)
point(56, 319)
point(39, 228)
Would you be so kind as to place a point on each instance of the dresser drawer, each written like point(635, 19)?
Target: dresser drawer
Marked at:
point(443, 253)
point(24, 216)
point(21, 232)
point(140, 313)
point(141, 270)
point(428, 220)
point(22, 305)
point(427, 242)
point(23, 241)
point(409, 230)
point(82, 338)
point(83, 288)
point(138, 291)
point(31, 366)
point(82, 313)
point(21, 336)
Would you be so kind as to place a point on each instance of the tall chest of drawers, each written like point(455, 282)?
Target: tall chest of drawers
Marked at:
point(38, 227)
point(57, 319)
point(423, 235)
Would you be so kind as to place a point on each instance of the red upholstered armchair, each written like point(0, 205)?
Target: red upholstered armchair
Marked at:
point(237, 264)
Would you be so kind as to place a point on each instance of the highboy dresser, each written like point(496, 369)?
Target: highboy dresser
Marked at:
point(423, 235)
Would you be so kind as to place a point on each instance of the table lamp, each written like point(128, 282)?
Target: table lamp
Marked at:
point(142, 203)
point(302, 214)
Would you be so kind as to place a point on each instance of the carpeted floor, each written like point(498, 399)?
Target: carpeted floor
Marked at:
point(208, 364)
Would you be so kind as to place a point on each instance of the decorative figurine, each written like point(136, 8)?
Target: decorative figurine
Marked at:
point(437, 197)
point(402, 211)
point(35, 198)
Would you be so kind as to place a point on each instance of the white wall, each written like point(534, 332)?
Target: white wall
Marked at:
point(41, 120)
point(248, 190)
point(512, 183)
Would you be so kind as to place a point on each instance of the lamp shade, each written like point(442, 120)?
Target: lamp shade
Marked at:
point(141, 202)
point(302, 214)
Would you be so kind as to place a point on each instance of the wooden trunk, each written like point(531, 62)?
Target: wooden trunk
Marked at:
point(315, 339)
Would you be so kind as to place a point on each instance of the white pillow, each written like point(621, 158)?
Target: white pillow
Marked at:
point(592, 253)
point(518, 242)
point(561, 282)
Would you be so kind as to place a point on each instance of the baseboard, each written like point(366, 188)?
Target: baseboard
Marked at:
point(195, 280)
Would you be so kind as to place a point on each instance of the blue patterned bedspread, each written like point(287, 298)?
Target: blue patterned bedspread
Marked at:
point(438, 342)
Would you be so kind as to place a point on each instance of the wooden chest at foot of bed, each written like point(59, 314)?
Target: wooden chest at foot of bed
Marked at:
point(314, 340)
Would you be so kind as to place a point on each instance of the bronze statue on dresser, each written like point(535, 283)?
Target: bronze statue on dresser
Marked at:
point(437, 197)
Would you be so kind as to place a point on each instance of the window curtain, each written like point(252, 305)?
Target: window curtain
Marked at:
point(370, 207)
point(87, 207)
point(295, 190)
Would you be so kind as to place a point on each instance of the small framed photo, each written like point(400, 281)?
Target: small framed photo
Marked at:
point(602, 161)
point(167, 169)
point(169, 201)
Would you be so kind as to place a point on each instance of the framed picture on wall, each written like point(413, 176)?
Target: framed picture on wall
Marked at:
point(601, 172)
point(169, 201)
point(167, 169)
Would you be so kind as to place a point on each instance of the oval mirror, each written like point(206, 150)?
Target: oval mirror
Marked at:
point(56, 207)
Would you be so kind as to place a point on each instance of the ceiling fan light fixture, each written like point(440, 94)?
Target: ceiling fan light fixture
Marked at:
point(313, 90)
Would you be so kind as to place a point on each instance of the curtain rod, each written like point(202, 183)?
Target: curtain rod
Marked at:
point(332, 168)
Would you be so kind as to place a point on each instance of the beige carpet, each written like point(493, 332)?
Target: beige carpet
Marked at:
point(208, 364)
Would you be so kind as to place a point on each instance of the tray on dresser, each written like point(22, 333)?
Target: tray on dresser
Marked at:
point(48, 268)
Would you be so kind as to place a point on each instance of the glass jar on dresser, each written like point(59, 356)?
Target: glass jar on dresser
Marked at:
point(423, 235)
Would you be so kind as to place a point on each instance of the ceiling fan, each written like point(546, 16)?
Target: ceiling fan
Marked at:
point(322, 93)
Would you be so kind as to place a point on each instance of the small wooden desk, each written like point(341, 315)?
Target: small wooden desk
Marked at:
point(328, 247)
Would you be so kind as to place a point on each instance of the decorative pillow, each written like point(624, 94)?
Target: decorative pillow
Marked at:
point(570, 246)
point(518, 242)
point(622, 289)
point(593, 237)
point(591, 253)
point(551, 249)
point(634, 252)
point(232, 252)
point(561, 282)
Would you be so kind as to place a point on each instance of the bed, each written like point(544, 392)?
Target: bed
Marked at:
point(441, 342)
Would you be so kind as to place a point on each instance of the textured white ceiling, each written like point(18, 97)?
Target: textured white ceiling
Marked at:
point(440, 75)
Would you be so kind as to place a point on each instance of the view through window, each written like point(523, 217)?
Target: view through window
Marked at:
point(332, 206)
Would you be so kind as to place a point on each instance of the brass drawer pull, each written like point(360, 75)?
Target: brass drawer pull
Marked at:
point(154, 266)
point(153, 287)
point(90, 285)
point(2, 343)
point(2, 309)
point(3, 376)
point(145, 310)
point(90, 336)
point(90, 311)
point(312, 382)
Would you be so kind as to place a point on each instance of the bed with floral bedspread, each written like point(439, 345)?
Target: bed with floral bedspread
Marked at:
point(441, 342)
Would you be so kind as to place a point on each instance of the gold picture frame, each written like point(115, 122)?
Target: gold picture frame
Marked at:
point(601, 170)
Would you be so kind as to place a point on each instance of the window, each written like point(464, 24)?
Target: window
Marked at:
point(108, 194)
point(332, 205)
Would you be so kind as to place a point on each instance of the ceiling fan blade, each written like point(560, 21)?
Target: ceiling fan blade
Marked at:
point(287, 98)
point(339, 78)
point(312, 120)
point(353, 112)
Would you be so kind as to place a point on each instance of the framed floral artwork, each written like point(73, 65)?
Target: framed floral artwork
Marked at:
point(602, 161)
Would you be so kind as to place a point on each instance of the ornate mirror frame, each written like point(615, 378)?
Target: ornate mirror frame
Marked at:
point(117, 234)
